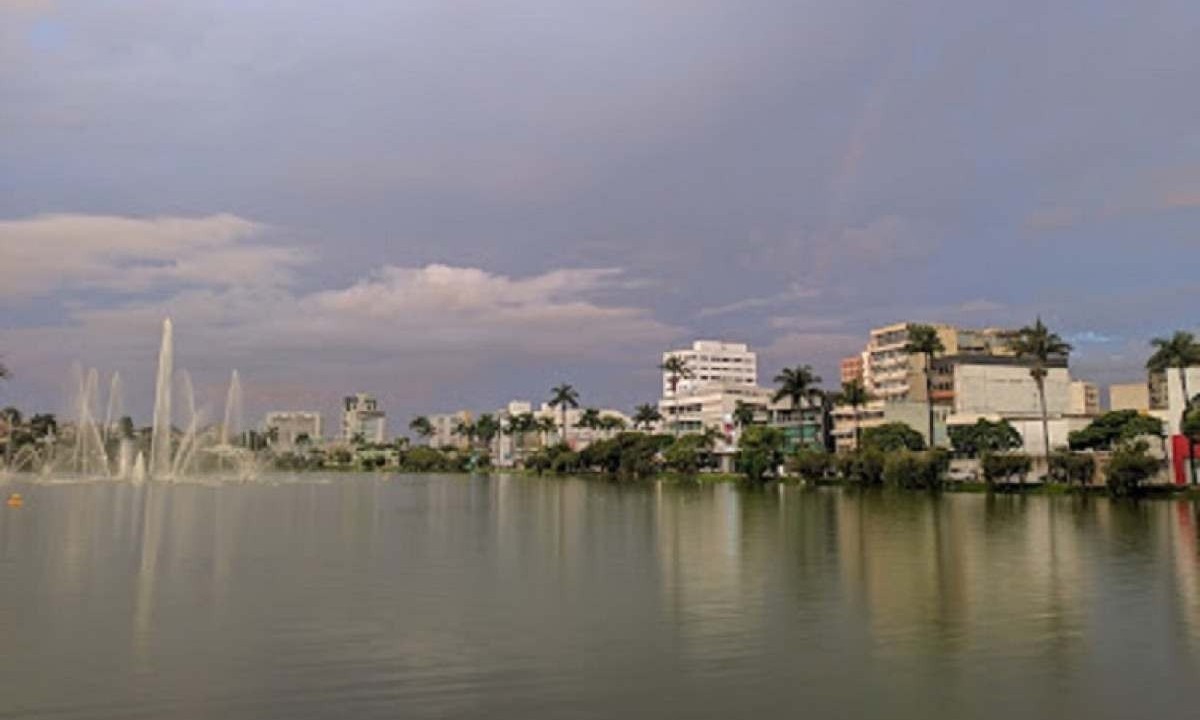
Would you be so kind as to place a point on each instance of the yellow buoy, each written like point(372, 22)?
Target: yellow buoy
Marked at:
point(15, 500)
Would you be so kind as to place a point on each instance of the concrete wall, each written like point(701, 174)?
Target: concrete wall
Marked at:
point(1008, 390)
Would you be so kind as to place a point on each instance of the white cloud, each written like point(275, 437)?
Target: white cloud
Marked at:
point(403, 330)
point(46, 254)
point(794, 293)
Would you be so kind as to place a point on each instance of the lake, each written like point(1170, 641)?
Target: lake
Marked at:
point(364, 596)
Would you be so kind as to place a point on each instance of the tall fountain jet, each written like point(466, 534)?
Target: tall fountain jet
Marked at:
point(160, 435)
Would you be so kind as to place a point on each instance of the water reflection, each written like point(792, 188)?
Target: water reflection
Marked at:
point(515, 597)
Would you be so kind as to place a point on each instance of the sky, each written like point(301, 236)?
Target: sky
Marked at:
point(451, 204)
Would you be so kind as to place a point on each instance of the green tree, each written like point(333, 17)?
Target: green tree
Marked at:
point(422, 427)
point(1037, 345)
point(1180, 351)
point(1071, 467)
point(743, 414)
point(983, 437)
point(612, 423)
point(517, 427)
point(913, 470)
point(11, 415)
point(1129, 467)
point(589, 419)
point(644, 416)
point(760, 451)
point(796, 384)
point(924, 340)
point(1190, 429)
point(810, 464)
point(487, 427)
point(1114, 427)
point(688, 454)
point(1005, 466)
point(676, 368)
point(855, 395)
point(563, 396)
point(891, 437)
point(545, 426)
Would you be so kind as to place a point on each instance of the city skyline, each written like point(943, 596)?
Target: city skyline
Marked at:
point(332, 202)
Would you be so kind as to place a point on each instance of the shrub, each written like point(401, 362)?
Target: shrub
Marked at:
point(1129, 467)
point(1114, 427)
point(813, 465)
point(760, 451)
point(864, 467)
point(688, 454)
point(908, 469)
point(1070, 468)
point(1005, 466)
point(890, 437)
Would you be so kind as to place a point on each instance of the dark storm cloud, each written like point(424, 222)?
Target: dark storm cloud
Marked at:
point(744, 163)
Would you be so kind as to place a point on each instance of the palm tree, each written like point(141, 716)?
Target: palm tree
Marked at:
point(487, 427)
point(545, 426)
point(743, 414)
point(562, 397)
point(589, 419)
point(855, 395)
point(924, 340)
point(1180, 351)
point(797, 385)
point(644, 416)
point(4, 372)
point(421, 426)
point(1039, 346)
point(465, 429)
point(516, 427)
point(611, 423)
point(676, 368)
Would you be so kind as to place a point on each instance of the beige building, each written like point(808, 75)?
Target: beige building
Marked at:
point(1129, 396)
point(361, 416)
point(1085, 399)
point(290, 425)
point(713, 363)
point(443, 430)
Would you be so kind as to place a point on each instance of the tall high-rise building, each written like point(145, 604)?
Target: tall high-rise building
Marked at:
point(712, 363)
point(361, 416)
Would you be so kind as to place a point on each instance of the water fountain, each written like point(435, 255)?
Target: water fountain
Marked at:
point(104, 448)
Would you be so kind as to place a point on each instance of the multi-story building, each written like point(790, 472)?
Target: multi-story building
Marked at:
point(713, 363)
point(288, 426)
point(1129, 396)
point(444, 425)
point(852, 369)
point(1085, 398)
point(361, 417)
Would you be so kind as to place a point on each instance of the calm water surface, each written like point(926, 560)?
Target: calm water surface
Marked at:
point(434, 597)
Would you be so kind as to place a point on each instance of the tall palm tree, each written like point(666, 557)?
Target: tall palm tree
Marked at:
point(1180, 351)
point(676, 368)
point(923, 340)
point(421, 426)
point(562, 397)
point(644, 416)
point(855, 395)
point(1036, 344)
point(517, 427)
point(797, 385)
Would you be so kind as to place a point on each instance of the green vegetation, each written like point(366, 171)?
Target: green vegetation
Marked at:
point(984, 437)
point(811, 465)
point(1130, 467)
point(891, 437)
point(1005, 467)
point(1071, 468)
point(676, 369)
point(644, 416)
point(925, 470)
point(563, 396)
point(861, 467)
point(1039, 346)
point(1114, 427)
point(760, 452)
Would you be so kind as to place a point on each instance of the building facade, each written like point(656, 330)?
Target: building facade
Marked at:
point(713, 363)
point(362, 418)
point(444, 425)
point(289, 426)
point(1129, 396)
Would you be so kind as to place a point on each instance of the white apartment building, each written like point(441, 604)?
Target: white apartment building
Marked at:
point(290, 425)
point(713, 363)
point(712, 406)
point(361, 416)
point(443, 429)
